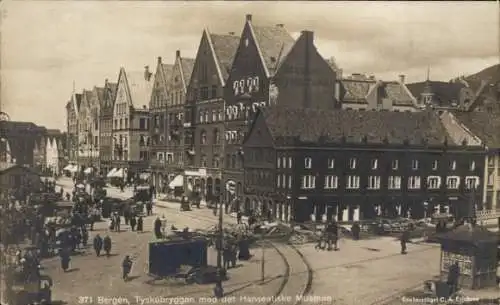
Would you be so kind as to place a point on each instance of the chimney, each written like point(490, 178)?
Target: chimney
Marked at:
point(309, 36)
point(159, 59)
point(106, 82)
point(231, 33)
point(147, 74)
point(178, 53)
point(280, 25)
point(248, 17)
point(402, 78)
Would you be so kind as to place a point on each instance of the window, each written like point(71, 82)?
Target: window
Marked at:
point(453, 165)
point(289, 162)
point(414, 182)
point(203, 161)
point(216, 162)
point(221, 115)
point(142, 124)
point(216, 136)
point(414, 164)
point(352, 182)
point(374, 182)
point(352, 163)
point(331, 182)
point(214, 116)
point(308, 182)
point(471, 182)
point(433, 182)
point(278, 162)
point(157, 121)
point(308, 162)
point(374, 164)
point(452, 182)
point(472, 166)
point(435, 165)
point(206, 116)
point(204, 93)
point(201, 117)
point(394, 183)
point(214, 91)
point(331, 163)
point(142, 140)
point(289, 181)
point(395, 164)
point(278, 181)
point(203, 137)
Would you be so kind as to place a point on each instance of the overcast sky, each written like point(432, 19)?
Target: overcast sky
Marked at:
point(48, 45)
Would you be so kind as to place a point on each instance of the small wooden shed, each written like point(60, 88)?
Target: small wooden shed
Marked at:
point(475, 249)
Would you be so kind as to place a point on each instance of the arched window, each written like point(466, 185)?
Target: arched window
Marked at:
point(233, 161)
point(216, 136)
point(203, 137)
point(216, 162)
point(142, 140)
point(203, 161)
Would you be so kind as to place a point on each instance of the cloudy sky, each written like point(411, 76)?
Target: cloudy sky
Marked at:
point(46, 46)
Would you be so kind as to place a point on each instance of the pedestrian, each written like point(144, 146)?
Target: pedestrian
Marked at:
point(226, 254)
point(140, 224)
point(238, 217)
point(107, 245)
point(126, 215)
point(149, 208)
point(453, 276)
point(405, 238)
point(98, 244)
point(85, 237)
point(355, 229)
point(65, 258)
point(332, 230)
point(68, 196)
point(133, 222)
point(117, 221)
point(157, 228)
point(112, 223)
point(126, 267)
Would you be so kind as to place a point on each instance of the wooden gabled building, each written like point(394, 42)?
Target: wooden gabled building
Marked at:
point(107, 101)
point(270, 68)
point(204, 119)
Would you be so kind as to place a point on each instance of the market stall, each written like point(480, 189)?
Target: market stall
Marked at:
point(475, 250)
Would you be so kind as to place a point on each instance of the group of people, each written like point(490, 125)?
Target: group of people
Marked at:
point(329, 236)
point(136, 223)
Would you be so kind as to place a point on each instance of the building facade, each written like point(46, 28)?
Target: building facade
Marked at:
point(158, 128)
point(204, 117)
point(22, 143)
point(306, 164)
point(54, 151)
point(131, 123)
point(270, 68)
point(177, 89)
point(72, 127)
point(106, 126)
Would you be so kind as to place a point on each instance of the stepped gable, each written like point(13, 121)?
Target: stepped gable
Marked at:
point(225, 47)
point(313, 125)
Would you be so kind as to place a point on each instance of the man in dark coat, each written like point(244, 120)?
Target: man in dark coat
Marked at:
point(332, 231)
point(140, 224)
point(453, 275)
point(126, 267)
point(355, 229)
point(149, 208)
point(238, 217)
point(133, 222)
point(157, 227)
point(405, 238)
point(65, 258)
point(98, 244)
point(107, 245)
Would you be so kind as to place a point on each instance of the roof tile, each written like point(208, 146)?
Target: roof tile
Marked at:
point(484, 125)
point(225, 47)
point(274, 42)
point(187, 65)
point(140, 88)
point(309, 125)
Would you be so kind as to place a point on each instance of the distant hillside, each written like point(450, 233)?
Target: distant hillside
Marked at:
point(491, 73)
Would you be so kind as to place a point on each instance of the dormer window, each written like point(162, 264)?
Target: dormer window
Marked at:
point(453, 165)
point(414, 164)
point(472, 166)
point(435, 165)
point(331, 163)
point(308, 163)
point(374, 164)
point(395, 164)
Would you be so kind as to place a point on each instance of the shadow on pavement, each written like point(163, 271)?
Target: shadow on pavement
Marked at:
point(73, 270)
point(131, 278)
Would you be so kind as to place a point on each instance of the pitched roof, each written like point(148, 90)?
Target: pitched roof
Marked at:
point(113, 87)
point(225, 47)
point(87, 94)
point(78, 98)
point(355, 91)
point(445, 93)
point(99, 94)
point(484, 125)
point(167, 70)
point(140, 88)
point(310, 125)
point(274, 43)
point(187, 65)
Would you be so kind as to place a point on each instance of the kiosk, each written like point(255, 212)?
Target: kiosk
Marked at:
point(475, 250)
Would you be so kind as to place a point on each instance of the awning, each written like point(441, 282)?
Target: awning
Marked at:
point(118, 173)
point(88, 170)
point(177, 182)
point(74, 169)
point(67, 167)
point(144, 176)
point(111, 173)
